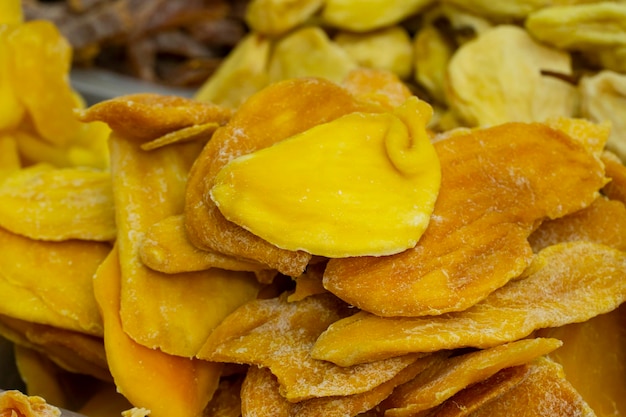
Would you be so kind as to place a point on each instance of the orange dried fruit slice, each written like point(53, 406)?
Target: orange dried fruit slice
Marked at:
point(201, 131)
point(616, 171)
point(544, 391)
point(145, 375)
point(441, 381)
point(145, 117)
point(493, 191)
point(165, 248)
point(14, 403)
point(261, 396)
point(379, 87)
point(160, 310)
point(277, 112)
point(594, 360)
point(362, 184)
point(604, 221)
point(568, 282)
point(278, 335)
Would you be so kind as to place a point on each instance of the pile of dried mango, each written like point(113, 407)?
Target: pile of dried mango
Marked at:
point(295, 243)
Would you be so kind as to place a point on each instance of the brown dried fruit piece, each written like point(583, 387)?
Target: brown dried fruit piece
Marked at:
point(273, 114)
point(568, 282)
point(261, 397)
point(604, 221)
point(441, 381)
point(145, 117)
point(494, 189)
point(278, 335)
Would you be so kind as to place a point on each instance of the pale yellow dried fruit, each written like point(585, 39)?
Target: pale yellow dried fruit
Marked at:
point(388, 49)
point(613, 58)
point(432, 54)
point(581, 26)
point(363, 184)
point(309, 52)
point(243, 73)
point(14, 403)
point(47, 203)
point(278, 334)
point(566, 283)
point(275, 17)
point(500, 10)
point(497, 78)
point(444, 379)
point(376, 14)
point(603, 99)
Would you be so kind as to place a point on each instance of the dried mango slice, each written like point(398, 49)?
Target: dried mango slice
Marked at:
point(491, 195)
point(441, 381)
point(497, 78)
point(165, 248)
point(473, 397)
point(9, 157)
point(241, 74)
point(40, 375)
point(594, 360)
point(363, 184)
point(545, 391)
point(356, 17)
point(594, 136)
point(278, 335)
point(195, 132)
point(42, 202)
point(41, 59)
point(273, 114)
point(12, 110)
point(14, 403)
point(616, 171)
point(146, 117)
point(378, 87)
point(580, 26)
point(148, 187)
point(309, 52)
point(226, 401)
point(309, 283)
point(568, 282)
point(604, 221)
point(144, 375)
point(51, 281)
point(387, 49)
point(275, 17)
point(11, 12)
point(260, 396)
point(70, 350)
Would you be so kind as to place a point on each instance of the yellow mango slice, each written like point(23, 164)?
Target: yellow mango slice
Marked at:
point(567, 282)
point(40, 64)
point(105, 402)
point(260, 396)
point(195, 132)
point(162, 310)
point(166, 248)
point(277, 112)
point(53, 281)
point(594, 360)
point(363, 184)
point(376, 14)
point(9, 157)
point(492, 194)
point(46, 203)
point(604, 221)
point(241, 74)
point(544, 391)
point(278, 334)
point(444, 379)
point(12, 110)
point(11, 12)
point(309, 52)
point(275, 17)
point(145, 375)
point(39, 375)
